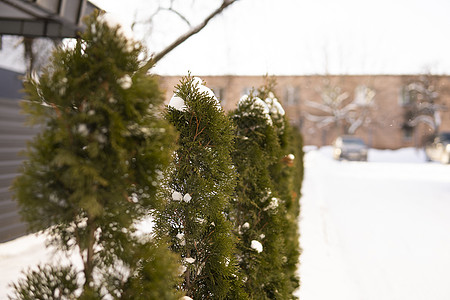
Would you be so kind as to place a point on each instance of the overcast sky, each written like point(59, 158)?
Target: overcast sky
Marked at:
point(310, 37)
point(283, 37)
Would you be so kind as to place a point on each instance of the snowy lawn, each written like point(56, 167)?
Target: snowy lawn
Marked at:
point(377, 229)
point(369, 230)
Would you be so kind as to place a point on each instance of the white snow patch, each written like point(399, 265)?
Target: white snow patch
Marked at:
point(204, 89)
point(274, 105)
point(189, 260)
point(82, 129)
point(273, 204)
point(257, 104)
point(176, 196)
point(177, 103)
point(256, 246)
point(187, 198)
point(375, 230)
point(125, 81)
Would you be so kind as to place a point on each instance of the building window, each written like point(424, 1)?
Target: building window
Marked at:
point(291, 96)
point(407, 96)
point(407, 133)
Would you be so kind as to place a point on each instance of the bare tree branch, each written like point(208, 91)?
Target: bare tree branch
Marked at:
point(180, 15)
point(185, 36)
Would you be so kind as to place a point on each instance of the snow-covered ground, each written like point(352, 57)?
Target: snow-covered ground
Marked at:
point(369, 230)
point(375, 230)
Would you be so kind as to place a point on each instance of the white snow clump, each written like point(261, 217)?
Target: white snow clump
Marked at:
point(177, 103)
point(125, 82)
point(204, 89)
point(181, 271)
point(274, 105)
point(83, 129)
point(180, 236)
point(187, 198)
point(258, 104)
point(273, 204)
point(246, 225)
point(176, 196)
point(134, 198)
point(189, 260)
point(185, 298)
point(256, 246)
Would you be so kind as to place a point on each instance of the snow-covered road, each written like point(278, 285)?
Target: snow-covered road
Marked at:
point(369, 230)
point(375, 230)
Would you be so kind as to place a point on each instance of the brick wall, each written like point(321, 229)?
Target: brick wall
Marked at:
point(387, 116)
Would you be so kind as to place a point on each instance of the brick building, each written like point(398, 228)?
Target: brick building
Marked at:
point(388, 111)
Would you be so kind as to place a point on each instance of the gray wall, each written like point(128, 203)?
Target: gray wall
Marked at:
point(13, 138)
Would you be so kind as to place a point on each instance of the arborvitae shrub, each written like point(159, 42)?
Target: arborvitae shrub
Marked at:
point(199, 186)
point(94, 169)
point(258, 212)
point(286, 175)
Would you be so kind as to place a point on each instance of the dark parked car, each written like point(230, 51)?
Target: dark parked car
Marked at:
point(350, 148)
point(438, 148)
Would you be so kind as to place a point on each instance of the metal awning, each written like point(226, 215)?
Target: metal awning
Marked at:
point(43, 18)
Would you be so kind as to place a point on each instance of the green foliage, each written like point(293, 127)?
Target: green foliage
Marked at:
point(258, 211)
point(152, 274)
point(268, 160)
point(95, 168)
point(200, 184)
point(47, 282)
point(286, 175)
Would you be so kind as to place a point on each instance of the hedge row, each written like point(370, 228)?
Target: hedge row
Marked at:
point(221, 189)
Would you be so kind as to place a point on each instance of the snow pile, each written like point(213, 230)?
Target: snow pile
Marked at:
point(375, 230)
